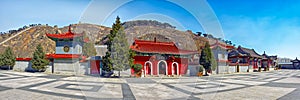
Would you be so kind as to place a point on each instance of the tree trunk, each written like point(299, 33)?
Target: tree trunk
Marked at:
point(206, 74)
point(119, 74)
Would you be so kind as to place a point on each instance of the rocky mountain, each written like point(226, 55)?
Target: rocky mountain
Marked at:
point(148, 23)
point(148, 30)
point(184, 40)
point(24, 42)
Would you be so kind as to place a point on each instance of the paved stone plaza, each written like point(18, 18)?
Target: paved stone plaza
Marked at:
point(283, 84)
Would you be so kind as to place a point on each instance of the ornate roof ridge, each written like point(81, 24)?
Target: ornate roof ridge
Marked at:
point(68, 34)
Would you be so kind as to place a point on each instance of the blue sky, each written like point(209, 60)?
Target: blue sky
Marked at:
point(17, 13)
point(271, 26)
point(266, 25)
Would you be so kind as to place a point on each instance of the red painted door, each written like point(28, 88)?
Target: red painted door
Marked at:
point(95, 66)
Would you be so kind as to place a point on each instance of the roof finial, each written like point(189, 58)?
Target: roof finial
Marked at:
point(70, 28)
point(264, 52)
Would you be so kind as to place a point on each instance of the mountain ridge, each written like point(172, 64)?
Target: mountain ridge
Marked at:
point(24, 44)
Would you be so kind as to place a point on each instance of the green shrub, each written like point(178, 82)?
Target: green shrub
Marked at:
point(201, 68)
point(137, 68)
point(8, 58)
point(1, 60)
point(39, 60)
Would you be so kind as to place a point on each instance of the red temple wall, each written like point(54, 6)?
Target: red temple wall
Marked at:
point(182, 64)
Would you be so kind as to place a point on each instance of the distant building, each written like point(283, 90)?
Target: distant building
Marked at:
point(247, 60)
point(286, 63)
point(244, 59)
point(96, 63)
point(220, 50)
point(296, 63)
point(268, 62)
point(274, 61)
point(284, 60)
point(101, 50)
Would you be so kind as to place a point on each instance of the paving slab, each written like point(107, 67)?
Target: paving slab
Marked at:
point(282, 84)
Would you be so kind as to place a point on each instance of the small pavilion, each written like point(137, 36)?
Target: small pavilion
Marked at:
point(68, 52)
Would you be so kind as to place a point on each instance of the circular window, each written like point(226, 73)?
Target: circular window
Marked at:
point(66, 48)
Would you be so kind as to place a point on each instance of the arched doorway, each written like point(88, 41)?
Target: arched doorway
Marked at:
point(148, 68)
point(162, 67)
point(175, 68)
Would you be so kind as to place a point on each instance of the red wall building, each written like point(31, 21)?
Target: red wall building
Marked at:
point(160, 58)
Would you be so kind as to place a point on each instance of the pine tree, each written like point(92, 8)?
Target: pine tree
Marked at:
point(39, 60)
point(1, 60)
point(8, 58)
point(214, 62)
point(118, 56)
point(206, 58)
point(107, 61)
point(120, 52)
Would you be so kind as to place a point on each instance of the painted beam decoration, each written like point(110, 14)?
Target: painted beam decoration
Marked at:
point(68, 52)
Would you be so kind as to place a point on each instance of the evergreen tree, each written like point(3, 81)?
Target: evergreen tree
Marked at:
point(1, 60)
point(118, 55)
point(206, 58)
point(8, 58)
point(39, 60)
point(120, 52)
point(89, 47)
point(131, 58)
point(107, 61)
point(214, 62)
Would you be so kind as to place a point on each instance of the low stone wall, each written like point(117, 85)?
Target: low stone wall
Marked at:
point(49, 68)
point(231, 69)
point(243, 68)
point(68, 67)
point(22, 65)
point(65, 66)
point(251, 68)
point(192, 70)
point(222, 69)
point(73, 67)
point(270, 69)
point(85, 68)
point(286, 66)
